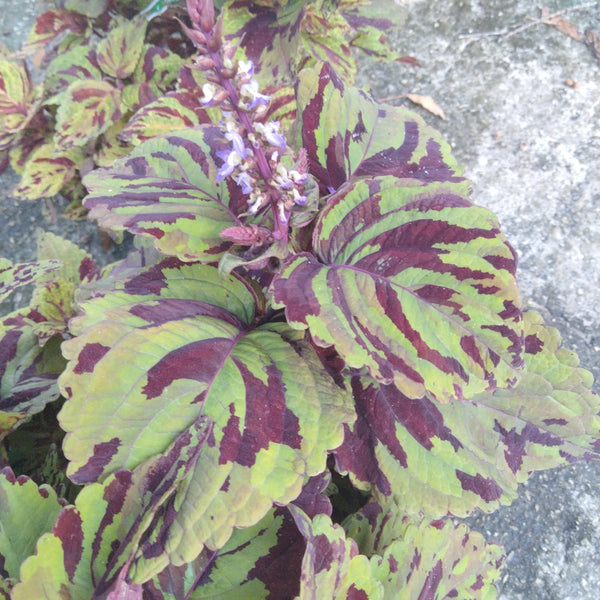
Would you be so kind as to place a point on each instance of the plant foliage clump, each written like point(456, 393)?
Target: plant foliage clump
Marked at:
point(315, 355)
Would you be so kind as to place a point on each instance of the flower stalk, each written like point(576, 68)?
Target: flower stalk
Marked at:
point(254, 159)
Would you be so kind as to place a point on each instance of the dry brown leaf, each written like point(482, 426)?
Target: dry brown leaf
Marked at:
point(592, 41)
point(559, 23)
point(428, 103)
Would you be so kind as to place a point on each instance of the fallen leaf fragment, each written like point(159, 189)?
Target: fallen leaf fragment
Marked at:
point(428, 103)
point(592, 41)
point(559, 23)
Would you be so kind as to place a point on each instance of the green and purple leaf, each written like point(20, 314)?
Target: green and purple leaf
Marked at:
point(326, 38)
point(371, 24)
point(87, 109)
point(423, 559)
point(332, 566)
point(78, 64)
point(159, 68)
point(28, 371)
point(45, 173)
point(252, 563)
point(26, 512)
point(54, 295)
point(347, 134)
point(51, 24)
point(270, 36)
point(167, 114)
point(15, 276)
point(15, 88)
point(415, 283)
point(452, 458)
point(166, 189)
point(119, 52)
point(176, 341)
point(93, 543)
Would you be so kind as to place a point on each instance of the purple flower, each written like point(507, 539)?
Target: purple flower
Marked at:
point(230, 160)
point(298, 199)
point(209, 94)
point(247, 68)
point(271, 132)
point(250, 90)
point(245, 182)
point(283, 218)
point(238, 143)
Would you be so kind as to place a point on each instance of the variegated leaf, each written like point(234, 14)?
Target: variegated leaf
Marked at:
point(167, 114)
point(159, 68)
point(15, 87)
point(166, 189)
point(45, 174)
point(454, 458)
point(87, 109)
point(415, 283)
point(371, 24)
point(257, 563)
point(119, 52)
point(15, 276)
point(176, 341)
point(348, 134)
point(111, 145)
point(332, 566)
point(75, 65)
point(414, 558)
point(270, 36)
point(28, 371)
point(51, 24)
point(251, 563)
point(326, 38)
point(92, 544)
point(54, 295)
point(91, 8)
point(26, 512)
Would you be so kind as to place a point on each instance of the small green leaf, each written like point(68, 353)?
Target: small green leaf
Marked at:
point(332, 566)
point(54, 295)
point(119, 52)
point(45, 173)
point(414, 558)
point(89, 8)
point(15, 276)
point(26, 512)
point(28, 371)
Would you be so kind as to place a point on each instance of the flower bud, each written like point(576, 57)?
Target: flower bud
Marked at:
point(202, 13)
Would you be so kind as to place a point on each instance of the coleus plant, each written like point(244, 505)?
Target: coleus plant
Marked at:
point(103, 64)
point(313, 359)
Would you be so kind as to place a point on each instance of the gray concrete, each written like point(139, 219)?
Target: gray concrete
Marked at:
point(531, 146)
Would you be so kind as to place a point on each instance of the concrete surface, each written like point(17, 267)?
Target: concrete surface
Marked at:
point(531, 146)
